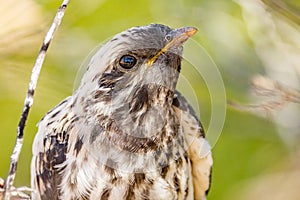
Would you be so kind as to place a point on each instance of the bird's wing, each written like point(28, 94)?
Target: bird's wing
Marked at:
point(49, 151)
point(198, 147)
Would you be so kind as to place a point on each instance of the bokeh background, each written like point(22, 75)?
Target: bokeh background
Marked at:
point(257, 155)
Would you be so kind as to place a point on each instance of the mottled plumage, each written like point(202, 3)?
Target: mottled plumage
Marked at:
point(125, 133)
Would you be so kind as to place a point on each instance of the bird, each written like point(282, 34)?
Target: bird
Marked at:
point(126, 132)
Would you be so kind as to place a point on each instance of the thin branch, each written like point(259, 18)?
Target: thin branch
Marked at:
point(283, 8)
point(276, 96)
point(29, 99)
point(16, 193)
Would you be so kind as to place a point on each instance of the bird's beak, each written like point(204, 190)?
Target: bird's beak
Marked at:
point(176, 38)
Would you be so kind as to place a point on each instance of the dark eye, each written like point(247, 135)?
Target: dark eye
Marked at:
point(168, 38)
point(127, 61)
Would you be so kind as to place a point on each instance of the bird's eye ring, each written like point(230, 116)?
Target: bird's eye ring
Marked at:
point(127, 61)
point(168, 38)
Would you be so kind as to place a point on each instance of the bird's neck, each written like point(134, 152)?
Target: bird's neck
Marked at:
point(142, 113)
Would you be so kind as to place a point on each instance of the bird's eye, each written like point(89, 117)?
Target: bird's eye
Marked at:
point(127, 61)
point(168, 38)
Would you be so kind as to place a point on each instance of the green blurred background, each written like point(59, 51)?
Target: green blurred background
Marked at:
point(257, 153)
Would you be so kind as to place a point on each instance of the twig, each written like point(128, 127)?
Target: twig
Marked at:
point(16, 193)
point(29, 99)
point(277, 95)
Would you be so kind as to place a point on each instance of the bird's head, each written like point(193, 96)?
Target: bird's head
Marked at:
point(132, 78)
point(140, 62)
point(130, 82)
